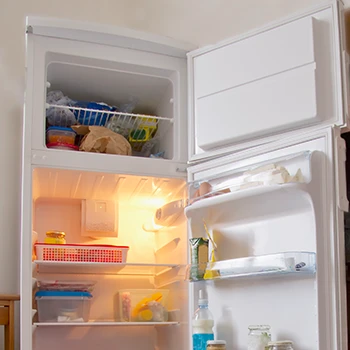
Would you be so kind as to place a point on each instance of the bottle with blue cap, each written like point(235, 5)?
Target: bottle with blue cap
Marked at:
point(202, 324)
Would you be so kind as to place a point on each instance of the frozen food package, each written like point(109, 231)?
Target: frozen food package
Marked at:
point(59, 116)
point(102, 140)
point(123, 124)
point(93, 118)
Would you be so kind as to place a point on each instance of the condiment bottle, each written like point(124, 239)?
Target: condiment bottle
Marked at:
point(55, 237)
point(202, 324)
point(216, 345)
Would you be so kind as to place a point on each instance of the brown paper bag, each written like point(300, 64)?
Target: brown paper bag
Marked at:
point(102, 140)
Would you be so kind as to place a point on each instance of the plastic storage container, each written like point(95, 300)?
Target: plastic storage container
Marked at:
point(63, 146)
point(65, 286)
point(143, 305)
point(82, 253)
point(57, 134)
point(58, 306)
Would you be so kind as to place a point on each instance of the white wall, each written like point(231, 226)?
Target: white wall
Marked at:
point(196, 21)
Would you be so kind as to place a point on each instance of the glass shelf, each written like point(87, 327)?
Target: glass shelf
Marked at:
point(288, 263)
point(104, 324)
point(61, 267)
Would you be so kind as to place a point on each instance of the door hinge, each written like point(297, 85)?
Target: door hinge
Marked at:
point(340, 160)
point(29, 30)
point(181, 170)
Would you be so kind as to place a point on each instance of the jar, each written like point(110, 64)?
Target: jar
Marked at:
point(216, 345)
point(280, 345)
point(55, 237)
point(259, 336)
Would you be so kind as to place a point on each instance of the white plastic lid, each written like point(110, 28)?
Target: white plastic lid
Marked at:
point(280, 342)
point(216, 342)
point(202, 300)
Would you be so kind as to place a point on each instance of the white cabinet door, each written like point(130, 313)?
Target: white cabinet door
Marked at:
point(246, 91)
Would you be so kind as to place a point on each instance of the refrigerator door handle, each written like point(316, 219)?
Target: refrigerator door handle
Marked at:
point(340, 172)
point(346, 85)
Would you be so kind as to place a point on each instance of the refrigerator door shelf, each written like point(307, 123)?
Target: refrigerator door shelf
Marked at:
point(293, 170)
point(290, 264)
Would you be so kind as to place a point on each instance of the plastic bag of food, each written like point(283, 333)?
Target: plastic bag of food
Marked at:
point(123, 124)
point(102, 140)
point(93, 118)
point(59, 116)
point(151, 147)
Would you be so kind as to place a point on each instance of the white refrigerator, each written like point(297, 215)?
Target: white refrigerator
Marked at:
point(255, 121)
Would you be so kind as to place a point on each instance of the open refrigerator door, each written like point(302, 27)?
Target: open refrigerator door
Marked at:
point(276, 220)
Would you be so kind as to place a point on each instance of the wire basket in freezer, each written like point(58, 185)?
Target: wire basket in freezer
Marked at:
point(81, 253)
point(140, 130)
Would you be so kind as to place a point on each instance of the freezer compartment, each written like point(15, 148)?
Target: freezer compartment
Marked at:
point(115, 108)
point(287, 263)
point(293, 169)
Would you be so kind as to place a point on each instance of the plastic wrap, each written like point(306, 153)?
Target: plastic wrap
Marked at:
point(58, 116)
point(123, 124)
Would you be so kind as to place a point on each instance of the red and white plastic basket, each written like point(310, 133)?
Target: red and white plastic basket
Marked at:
point(81, 253)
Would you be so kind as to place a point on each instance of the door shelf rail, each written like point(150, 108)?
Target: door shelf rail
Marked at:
point(287, 263)
point(104, 324)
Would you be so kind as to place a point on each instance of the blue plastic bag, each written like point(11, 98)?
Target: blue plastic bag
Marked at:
point(93, 118)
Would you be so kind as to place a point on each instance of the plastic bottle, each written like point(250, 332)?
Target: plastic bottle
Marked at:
point(202, 324)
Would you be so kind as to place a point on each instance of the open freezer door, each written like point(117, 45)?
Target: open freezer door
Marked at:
point(248, 91)
point(275, 214)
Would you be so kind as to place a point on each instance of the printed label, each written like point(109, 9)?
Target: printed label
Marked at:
point(200, 340)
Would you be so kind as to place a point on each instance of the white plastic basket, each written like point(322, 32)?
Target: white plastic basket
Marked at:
point(81, 253)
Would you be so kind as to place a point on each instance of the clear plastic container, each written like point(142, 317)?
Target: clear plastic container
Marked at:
point(57, 134)
point(143, 305)
point(58, 306)
point(68, 286)
point(64, 146)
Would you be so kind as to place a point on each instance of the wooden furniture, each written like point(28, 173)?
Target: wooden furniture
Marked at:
point(7, 318)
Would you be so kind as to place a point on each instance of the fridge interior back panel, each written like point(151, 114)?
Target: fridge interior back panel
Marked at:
point(276, 80)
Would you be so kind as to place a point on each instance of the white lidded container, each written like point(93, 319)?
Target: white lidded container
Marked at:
point(58, 306)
